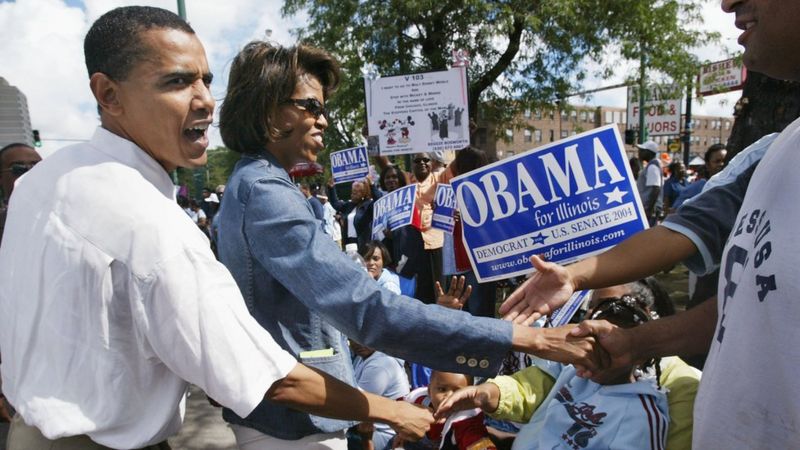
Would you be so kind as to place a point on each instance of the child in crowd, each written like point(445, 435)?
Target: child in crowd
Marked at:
point(625, 409)
point(462, 431)
point(380, 374)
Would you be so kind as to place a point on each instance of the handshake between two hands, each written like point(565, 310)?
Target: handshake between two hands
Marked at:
point(596, 348)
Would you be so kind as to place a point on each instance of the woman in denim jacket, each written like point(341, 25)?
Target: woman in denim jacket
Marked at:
point(298, 284)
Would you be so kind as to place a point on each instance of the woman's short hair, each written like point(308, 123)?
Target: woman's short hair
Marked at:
point(263, 77)
point(401, 177)
point(372, 247)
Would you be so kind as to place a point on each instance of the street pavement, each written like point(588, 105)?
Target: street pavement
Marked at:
point(203, 427)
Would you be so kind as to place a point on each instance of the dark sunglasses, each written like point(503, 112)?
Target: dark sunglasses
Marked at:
point(422, 160)
point(311, 105)
point(626, 308)
point(18, 169)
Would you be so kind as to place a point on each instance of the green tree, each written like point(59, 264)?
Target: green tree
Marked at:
point(216, 171)
point(524, 53)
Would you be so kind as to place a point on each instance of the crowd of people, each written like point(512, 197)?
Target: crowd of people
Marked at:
point(105, 318)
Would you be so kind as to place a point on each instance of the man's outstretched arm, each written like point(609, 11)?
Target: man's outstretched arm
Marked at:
point(313, 391)
point(685, 334)
point(551, 285)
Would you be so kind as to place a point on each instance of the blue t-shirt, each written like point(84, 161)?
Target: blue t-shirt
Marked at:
point(579, 413)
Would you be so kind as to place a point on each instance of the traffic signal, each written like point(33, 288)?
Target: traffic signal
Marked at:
point(630, 136)
point(37, 141)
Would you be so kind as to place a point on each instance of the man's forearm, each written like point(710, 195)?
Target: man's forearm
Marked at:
point(641, 255)
point(685, 334)
point(313, 391)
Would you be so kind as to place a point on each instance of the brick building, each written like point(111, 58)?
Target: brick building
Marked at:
point(542, 126)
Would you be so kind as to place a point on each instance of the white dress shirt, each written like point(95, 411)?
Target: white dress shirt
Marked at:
point(111, 300)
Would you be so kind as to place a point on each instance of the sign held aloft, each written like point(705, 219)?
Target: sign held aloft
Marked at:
point(662, 109)
point(349, 165)
point(567, 200)
point(445, 207)
point(393, 210)
point(421, 112)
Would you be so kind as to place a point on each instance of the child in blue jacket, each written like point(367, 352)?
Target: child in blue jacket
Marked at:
point(625, 410)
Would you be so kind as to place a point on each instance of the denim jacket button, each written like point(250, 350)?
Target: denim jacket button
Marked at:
point(472, 362)
point(461, 359)
point(484, 364)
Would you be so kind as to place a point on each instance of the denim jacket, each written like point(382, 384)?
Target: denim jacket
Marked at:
point(302, 289)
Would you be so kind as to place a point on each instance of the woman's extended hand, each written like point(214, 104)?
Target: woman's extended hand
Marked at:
point(456, 296)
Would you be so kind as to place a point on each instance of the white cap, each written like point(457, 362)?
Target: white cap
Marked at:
point(212, 198)
point(649, 146)
point(351, 248)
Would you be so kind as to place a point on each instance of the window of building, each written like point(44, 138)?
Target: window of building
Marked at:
point(563, 134)
point(510, 133)
point(609, 116)
point(527, 113)
point(527, 135)
point(538, 114)
point(552, 135)
point(573, 115)
point(584, 116)
point(537, 135)
point(727, 124)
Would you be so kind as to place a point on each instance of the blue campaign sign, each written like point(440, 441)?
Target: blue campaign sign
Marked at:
point(445, 206)
point(563, 315)
point(393, 210)
point(349, 165)
point(567, 200)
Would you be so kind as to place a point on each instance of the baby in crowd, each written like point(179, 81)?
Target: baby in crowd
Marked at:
point(463, 430)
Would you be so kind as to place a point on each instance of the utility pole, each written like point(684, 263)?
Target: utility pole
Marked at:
point(182, 14)
point(687, 130)
point(642, 91)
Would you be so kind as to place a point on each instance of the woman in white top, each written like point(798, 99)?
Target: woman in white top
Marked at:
point(376, 256)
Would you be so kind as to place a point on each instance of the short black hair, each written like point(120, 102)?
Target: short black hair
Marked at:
point(112, 45)
point(377, 246)
point(12, 145)
point(713, 149)
point(470, 158)
point(401, 177)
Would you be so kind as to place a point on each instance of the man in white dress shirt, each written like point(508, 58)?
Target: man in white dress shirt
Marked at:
point(110, 298)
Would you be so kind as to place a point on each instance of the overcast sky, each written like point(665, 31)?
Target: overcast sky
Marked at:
point(42, 54)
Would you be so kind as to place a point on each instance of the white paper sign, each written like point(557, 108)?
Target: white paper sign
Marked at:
point(662, 110)
point(420, 112)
